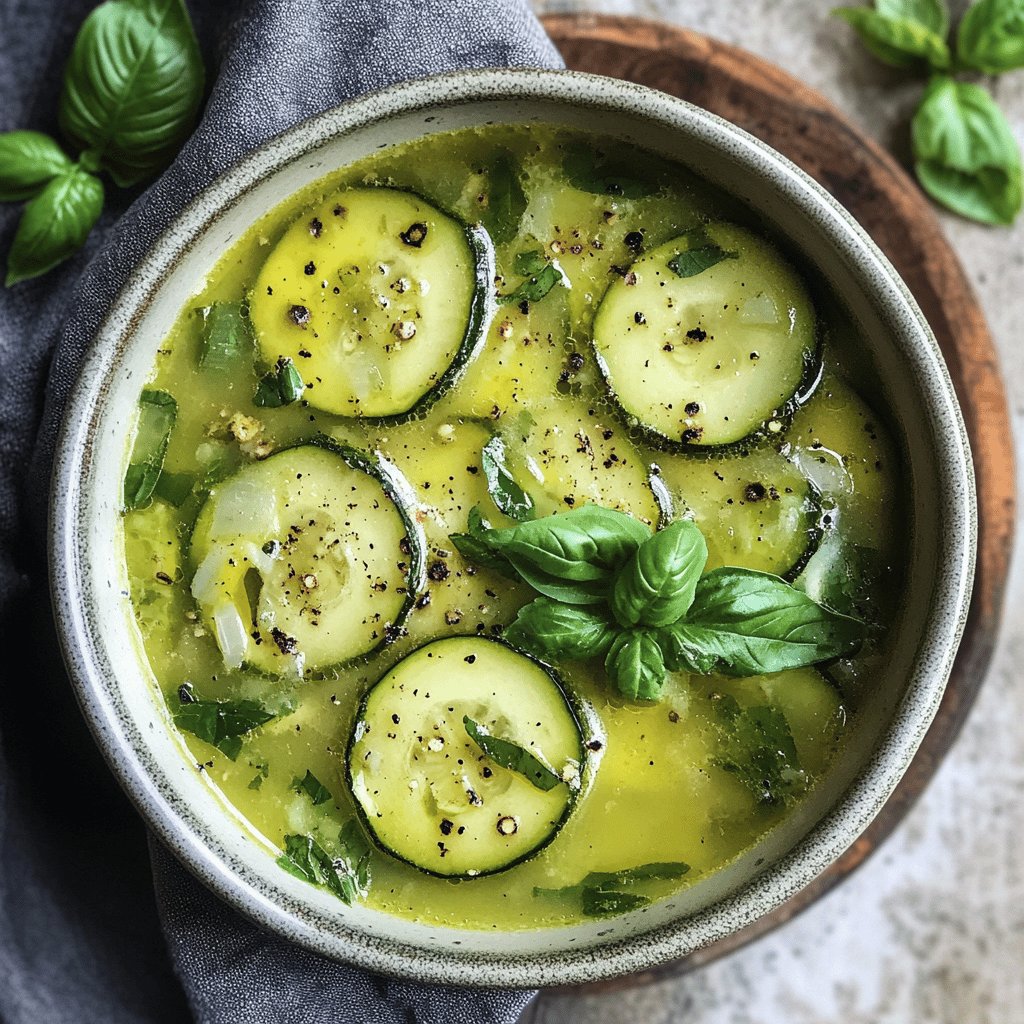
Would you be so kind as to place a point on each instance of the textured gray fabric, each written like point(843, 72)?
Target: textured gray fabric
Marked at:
point(80, 936)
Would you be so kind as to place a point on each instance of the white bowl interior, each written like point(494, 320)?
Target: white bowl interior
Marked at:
point(120, 695)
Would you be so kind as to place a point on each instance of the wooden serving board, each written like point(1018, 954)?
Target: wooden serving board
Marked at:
point(803, 125)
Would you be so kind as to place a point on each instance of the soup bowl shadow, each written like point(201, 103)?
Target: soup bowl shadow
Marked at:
point(123, 704)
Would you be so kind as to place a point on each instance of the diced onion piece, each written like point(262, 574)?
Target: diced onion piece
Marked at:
point(231, 634)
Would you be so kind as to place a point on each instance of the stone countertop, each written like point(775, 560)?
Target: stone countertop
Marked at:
point(931, 929)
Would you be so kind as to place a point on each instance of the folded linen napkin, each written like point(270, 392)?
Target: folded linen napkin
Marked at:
point(82, 936)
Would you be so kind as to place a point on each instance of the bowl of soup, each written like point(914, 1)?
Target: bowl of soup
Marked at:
point(513, 529)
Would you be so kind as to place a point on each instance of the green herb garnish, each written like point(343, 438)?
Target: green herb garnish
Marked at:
point(605, 175)
point(312, 787)
point(132, 89)
point(346, 875)
point(512, 756)
point(965, 153)
point(701, 254)
point(158, 412)
point(602, 893)
point(506, 494)
point(226, 335)
point(612, 588)
point(541, 276)
point(282, 386)
point(221, 723)
point(506, 201)
point(757, 746)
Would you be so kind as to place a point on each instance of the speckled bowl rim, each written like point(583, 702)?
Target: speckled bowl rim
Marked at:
point(826, 841)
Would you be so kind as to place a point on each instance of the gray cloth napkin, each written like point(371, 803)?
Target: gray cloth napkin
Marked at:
point(84, 936)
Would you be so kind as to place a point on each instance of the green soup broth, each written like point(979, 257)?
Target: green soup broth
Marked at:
point(570, 217)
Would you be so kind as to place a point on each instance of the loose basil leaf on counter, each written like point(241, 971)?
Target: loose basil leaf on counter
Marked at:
point(636, 665)
point(656, 586)
point(902, 42)
point(932, 14)
point(506, 201)
point(28, 160)
point(54, 223)
point(506, 494)
point(158, 412)
point(965, 153)
point(571, 556)
point(312, 787)
point(221, 723)
point(226, 335)
point(512, 756)
point(757, 745)
point(702, 254)
point(281, 386)
point(745, 623)
point(550, 629)
point(991, 36)
point(133, 86)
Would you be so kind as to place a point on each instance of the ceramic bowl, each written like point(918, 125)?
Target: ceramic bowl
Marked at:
point(120, 697)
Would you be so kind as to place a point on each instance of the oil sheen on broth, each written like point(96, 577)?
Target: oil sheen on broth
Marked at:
point(287, 580)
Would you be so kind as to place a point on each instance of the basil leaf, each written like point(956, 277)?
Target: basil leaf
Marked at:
point(132, 86)
point(158, 412)
point(991, 36)
point(605, 175)
point(506, 201)
point(473, 546)
point(570, 556)
point(221, 723)
point(357, 851)
point(541, 275)
point(747, 623)
point(305, 858)
point(602, 903)
point(656, 586)
point(932, 14)
point(512, 756)
point(312, 787)
point(28, 160)
point(965, 154)
point(174, 488)
point(550, 629)
point(630, 876)
point(54, 224)
point(899, 41)
point(636, 665)
point(509, 497)
point(756, 744)
point(226, 335)
point(281, 386)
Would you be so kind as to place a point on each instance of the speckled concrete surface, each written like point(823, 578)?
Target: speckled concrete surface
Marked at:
point(931, 930)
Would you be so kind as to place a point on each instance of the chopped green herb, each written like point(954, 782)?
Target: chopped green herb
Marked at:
point(158, 412)
point(226, 335)
point(506, 494)
point(606, 176)
point(347, 875)
point(312, 787)
point(221, 723)
point(702, 254)
point(506, 201)
point(282, 386)
point(541, 276)
point(512, 756)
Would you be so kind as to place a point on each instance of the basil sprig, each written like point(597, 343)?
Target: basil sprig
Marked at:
point(965, 153)
point(610, 588)
point(133, 85)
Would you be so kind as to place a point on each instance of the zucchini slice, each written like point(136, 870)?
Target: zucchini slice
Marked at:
point(706, 337)
point(307, 559)
point(378, 298)
point(756, 509)
point(429, 793)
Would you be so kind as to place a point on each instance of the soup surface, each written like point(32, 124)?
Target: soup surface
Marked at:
point(428, 518)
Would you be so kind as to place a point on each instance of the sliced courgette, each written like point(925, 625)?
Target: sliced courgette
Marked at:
point(378, 298)
point(429, 792)
point(307, 559)
point(756, 508)
point(706, 337)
